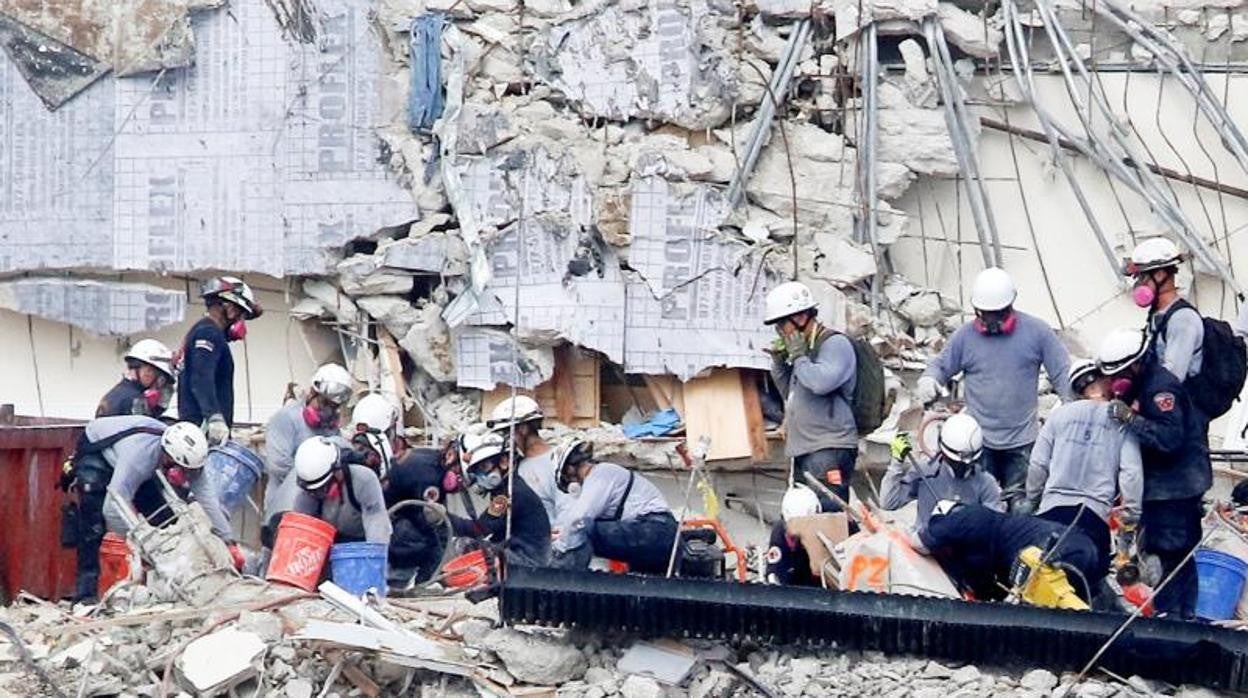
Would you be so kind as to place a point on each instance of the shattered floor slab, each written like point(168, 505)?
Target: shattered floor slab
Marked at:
point(102, 308)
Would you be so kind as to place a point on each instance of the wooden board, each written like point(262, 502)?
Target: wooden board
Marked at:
point(715, 406)
point(572, 396)
point(667, 392)
point(753, 406)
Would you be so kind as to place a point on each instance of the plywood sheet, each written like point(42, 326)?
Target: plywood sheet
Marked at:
point(715, 407)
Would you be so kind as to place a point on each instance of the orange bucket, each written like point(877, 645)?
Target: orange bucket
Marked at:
point(469, 569)
point(299, 553)
point(115, 554)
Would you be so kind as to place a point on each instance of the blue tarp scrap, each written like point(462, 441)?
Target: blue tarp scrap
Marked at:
point(660, 423)
point(426, 101)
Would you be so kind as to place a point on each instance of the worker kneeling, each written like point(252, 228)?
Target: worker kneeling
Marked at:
point(615, 513)
point(488, 466)
point(348, 497)
point(795, 539)
point(987, 553)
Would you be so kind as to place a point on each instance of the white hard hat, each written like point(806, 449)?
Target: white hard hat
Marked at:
point(315, 460)
point(961, 438)
point(797, 502)
point(993, 290)
point(573, 449)
point(186, 444)
point(234, 290)
point(480, 448)
point(153, 353)
point(380, 444)
point(333, 382)
point(1082, 372)
point(1121, 348)
point(514, 410)
point(1154, 253)
point(374, 411)
point(789, 298)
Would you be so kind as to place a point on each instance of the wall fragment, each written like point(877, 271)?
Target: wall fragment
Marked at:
point(102, 308)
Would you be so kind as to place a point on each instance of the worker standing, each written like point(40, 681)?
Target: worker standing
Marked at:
point(614, 513)
point(1083, 460)
point(147, 385)
point(317, 414)
point(347, 496)
point(488, 463)
point(816, 369)
point(1177, 329)
point(999, 354)
point(206, 391)
point(522, 417)
point(953, 474)
point(121, 455)
point(1174, 449)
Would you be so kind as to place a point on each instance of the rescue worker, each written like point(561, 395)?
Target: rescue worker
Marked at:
point(1083, 460)
point(1174, 449)
point(953, 474)
point(788, 562)
point(488, 462)
point(346, 496)
point(978, 548)
point(1177, 330)
point(999, 354)
point(615, 513)
point(121, 455)
point(536, 467)
point(816, 369)
point(147, 385)
point(317, 414)
point(206, 391)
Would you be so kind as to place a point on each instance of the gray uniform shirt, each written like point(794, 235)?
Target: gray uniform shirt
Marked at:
point(539, 473)
point(1002, 374)
point(1084, 457)
point(600, 496)
point(370, 522)
point(817, 413)
point(135, 459)
point(1179, 347)
point(282, 435)
point(932, 482)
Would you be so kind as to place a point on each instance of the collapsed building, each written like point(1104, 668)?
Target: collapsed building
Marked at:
point(588, 201)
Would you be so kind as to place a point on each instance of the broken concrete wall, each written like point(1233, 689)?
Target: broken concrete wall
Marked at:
point(101, 308)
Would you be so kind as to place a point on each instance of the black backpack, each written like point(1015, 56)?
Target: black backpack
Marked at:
point(1223, 365)
point(869, 401)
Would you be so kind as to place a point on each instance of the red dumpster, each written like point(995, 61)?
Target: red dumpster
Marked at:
point(31, 558)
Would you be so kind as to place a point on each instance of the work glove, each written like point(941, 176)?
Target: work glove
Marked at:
point(1121, 412)
point(927, 390)
point(1124, 542)
point(216, 430)
point(795, 345)
point(498, 506)
point(900, 446)
point(776, 348)
point(236, 554)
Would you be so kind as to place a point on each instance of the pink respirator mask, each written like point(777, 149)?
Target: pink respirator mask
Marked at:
point(236, 331)
point(320, 419)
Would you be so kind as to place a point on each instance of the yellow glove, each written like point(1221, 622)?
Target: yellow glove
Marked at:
point(901, 446)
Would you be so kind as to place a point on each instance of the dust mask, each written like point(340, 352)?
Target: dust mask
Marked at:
point(1143, 295)
point(177, 477)
point(450, 481)
point(236, 331)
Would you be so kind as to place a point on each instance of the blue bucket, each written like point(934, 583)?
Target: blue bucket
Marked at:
point(233, 470)
point(358, 567)
point(1221, 583)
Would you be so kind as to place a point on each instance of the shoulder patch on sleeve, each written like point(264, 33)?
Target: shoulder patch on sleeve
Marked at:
point(1164, 401)
point(204, 344)
point(773, 555)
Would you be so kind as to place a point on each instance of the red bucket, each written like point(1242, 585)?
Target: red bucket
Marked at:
point(299, 553)
point(469, 569)
point(115, 555)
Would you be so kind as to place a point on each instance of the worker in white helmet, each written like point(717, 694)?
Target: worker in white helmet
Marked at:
point(487, 464)
point(206, 391)
point(787, 559)
point(347, 496)
point(953, 474)
point(1177, 329)
point(1151, 404)
point(816, 369)
point(521, 418)
point(146, 386)
point(318, 413)
point(121, 455)
point(1084, 460)
point(999, 355)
